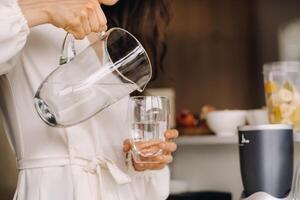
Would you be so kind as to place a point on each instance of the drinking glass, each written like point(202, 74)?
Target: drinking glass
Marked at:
point(148, 118)
point(109, 69)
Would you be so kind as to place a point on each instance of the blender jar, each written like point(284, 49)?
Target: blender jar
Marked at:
point(282, 87)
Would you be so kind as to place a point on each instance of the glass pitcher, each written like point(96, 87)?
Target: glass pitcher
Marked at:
point(109, 69)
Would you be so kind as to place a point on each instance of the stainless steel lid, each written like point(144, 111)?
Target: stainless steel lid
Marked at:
point(265, 127)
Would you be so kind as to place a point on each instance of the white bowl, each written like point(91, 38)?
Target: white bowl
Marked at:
point(224, 123)
point(257, 117)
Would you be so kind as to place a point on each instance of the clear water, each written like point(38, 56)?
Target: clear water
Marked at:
point(145, 133)
point(44, 111)
point(66, 105)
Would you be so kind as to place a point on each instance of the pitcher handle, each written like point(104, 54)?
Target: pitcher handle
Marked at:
point(68, 50)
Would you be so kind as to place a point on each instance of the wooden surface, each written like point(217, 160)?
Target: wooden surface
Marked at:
point(8, 171)
point(210, 54)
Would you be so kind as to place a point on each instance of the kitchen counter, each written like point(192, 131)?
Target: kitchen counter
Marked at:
point(214, 140)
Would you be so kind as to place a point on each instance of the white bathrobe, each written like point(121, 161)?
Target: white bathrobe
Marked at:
point(83, 162)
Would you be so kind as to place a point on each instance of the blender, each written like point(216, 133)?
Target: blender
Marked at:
point(266, 161)
point(282, 92)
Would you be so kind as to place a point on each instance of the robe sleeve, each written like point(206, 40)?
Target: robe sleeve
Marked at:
point(13, 33)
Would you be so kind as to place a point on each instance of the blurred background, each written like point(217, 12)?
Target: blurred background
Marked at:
point(216, 49)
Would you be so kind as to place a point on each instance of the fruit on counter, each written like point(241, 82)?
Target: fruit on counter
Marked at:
point(287, 110)
point(185, 118)
point(285, 95)
point(296, 115)
point(188, 119)
point(283, 103)
point(205, 110)
point(275, 116)
point(270, 87)
point(296, 99)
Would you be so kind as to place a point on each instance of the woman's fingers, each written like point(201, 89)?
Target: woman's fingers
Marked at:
point(108, 2)
point(142, 167)
point(93, 21)
point(79, 18)
point(78, 32)
point(101, 19)
point(85, 22)
point(126, 146)
point(168, 146)
point(98, 20)
point(154, 163)
point(171, 134)
point(146, 147)
point(147, 144)
point(165, 159)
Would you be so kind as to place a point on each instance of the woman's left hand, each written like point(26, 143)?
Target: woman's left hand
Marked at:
point(168, 147)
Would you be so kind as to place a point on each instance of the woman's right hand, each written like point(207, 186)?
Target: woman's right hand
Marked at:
point(78, 17)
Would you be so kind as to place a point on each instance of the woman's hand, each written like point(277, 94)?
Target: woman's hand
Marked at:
point(160, 161)
point(78, 17)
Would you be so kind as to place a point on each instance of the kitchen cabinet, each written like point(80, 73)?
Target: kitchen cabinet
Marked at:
point(211, 55)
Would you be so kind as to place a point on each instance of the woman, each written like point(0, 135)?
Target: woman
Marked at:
point(85, 161)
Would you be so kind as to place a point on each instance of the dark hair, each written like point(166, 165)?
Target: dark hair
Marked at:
point(145, 19)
